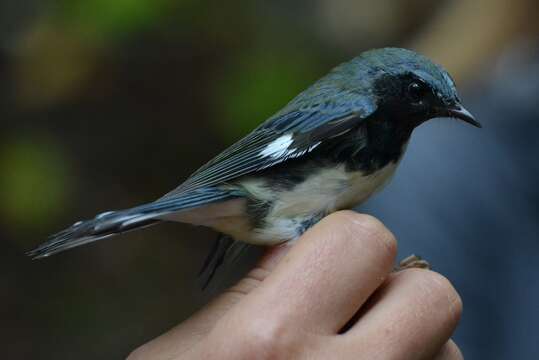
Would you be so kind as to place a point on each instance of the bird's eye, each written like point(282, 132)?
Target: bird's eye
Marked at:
point(416, 92)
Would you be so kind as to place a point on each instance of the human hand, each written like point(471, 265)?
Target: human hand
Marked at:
point(295, 304)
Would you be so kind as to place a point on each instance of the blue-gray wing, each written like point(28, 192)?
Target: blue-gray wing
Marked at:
point(291, 133)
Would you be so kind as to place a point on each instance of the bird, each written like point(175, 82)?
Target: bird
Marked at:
point(330, 148)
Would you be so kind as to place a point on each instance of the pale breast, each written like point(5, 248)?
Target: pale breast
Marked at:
point(323, 192)
point(361, 186)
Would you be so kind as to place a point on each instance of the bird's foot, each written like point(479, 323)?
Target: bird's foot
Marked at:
point(412, 261)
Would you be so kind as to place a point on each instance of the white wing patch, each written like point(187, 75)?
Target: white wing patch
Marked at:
point(278, 147)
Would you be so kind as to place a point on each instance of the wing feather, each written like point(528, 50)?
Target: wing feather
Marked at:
point(291, 133)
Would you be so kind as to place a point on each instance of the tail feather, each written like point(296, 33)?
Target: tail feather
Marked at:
point(84, 232)
point(116, 222)
point(225, 250)
point(214, 259)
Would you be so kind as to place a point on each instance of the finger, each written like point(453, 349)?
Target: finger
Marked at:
point(212, 312)
point(176, 341)
point(259, 273)
point(326, 276)
point(412, 316)
point(450, 351)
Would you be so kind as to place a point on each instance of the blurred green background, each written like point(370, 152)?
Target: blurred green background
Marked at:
point(109, 103)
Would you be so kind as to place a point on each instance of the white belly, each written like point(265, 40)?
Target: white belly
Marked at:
point(362, 187)
point(324, 192)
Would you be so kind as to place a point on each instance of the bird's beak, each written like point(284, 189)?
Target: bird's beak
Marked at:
point(457, 111)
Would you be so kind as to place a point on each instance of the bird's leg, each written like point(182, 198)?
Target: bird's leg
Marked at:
point(412, 261)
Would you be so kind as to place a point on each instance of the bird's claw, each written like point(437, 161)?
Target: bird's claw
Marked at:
point(413, 261)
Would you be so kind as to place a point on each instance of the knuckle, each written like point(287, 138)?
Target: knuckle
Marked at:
point(268, 339)
point(372, 230)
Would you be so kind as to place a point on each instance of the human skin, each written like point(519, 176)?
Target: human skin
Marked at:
point(296, 302)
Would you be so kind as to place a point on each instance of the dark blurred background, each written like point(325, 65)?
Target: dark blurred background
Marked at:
point(105, 104)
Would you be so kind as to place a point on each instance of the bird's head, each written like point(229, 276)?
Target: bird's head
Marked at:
point(411, 88)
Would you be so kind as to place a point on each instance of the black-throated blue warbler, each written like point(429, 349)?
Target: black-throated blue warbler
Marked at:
point(330, 148)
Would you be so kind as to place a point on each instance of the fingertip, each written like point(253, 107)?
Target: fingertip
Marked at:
point(441, 290)
point(376, 230)
point(431, 292)
point(414, 307)
point(450, 351)
point(363, 231)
